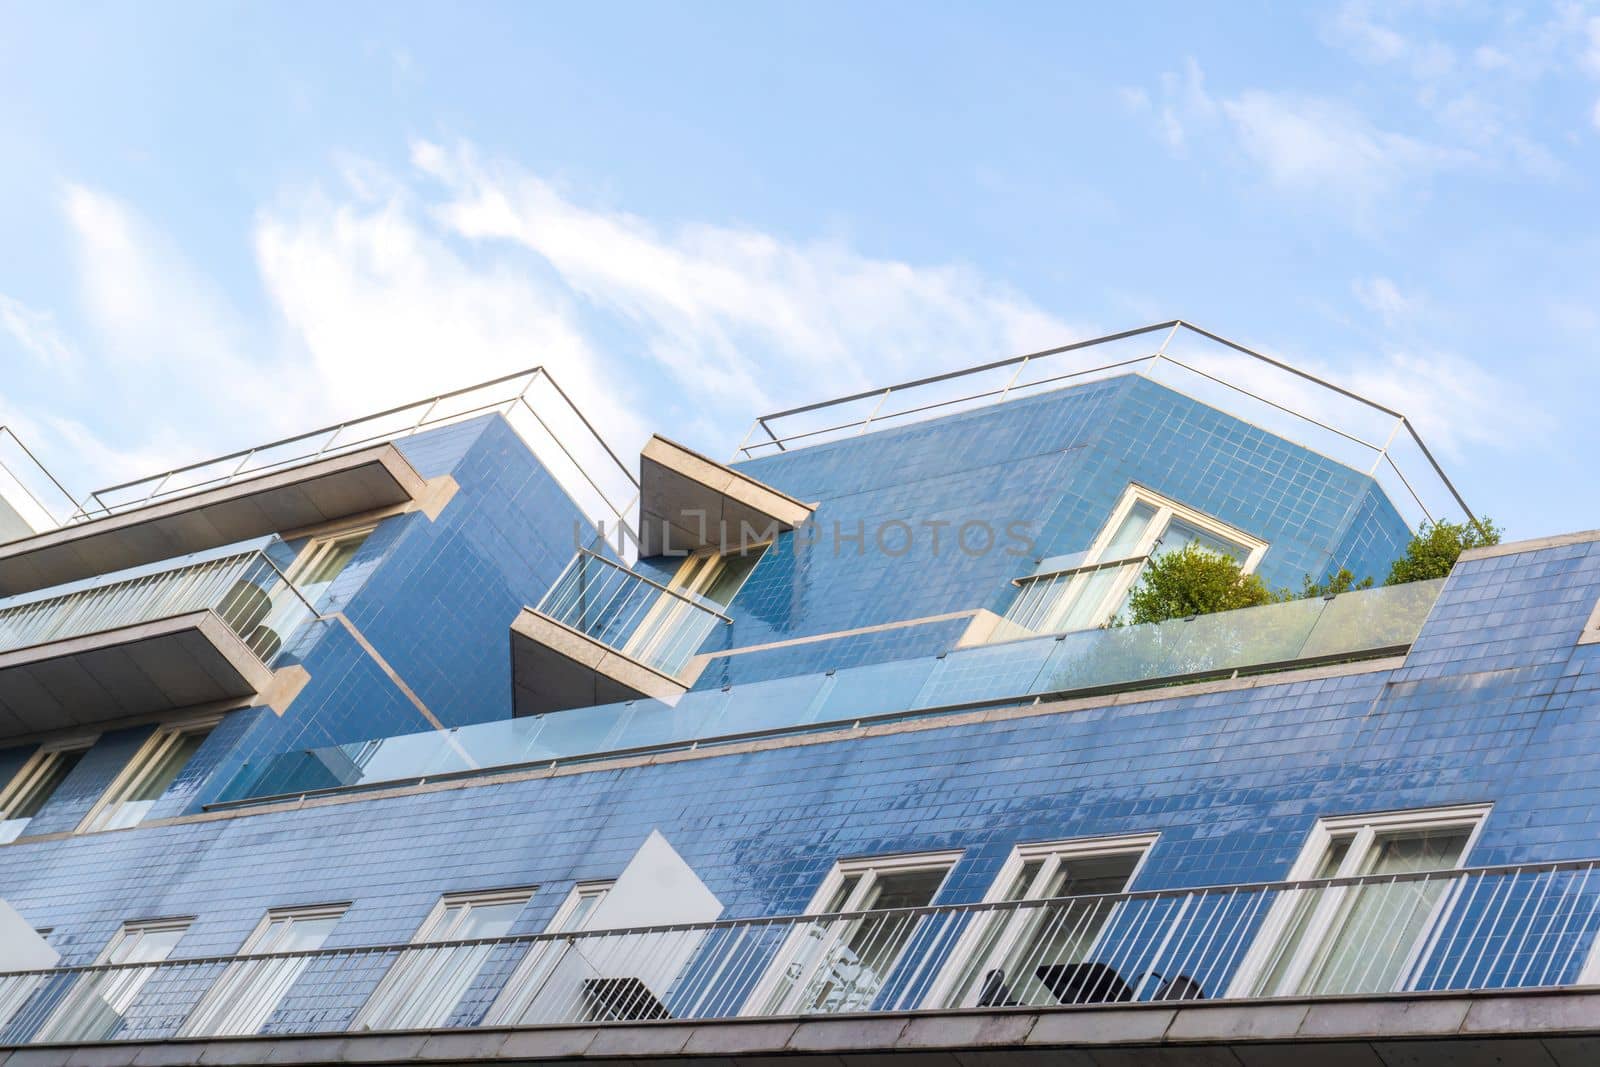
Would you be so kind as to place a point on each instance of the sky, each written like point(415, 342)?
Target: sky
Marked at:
point(223, 223)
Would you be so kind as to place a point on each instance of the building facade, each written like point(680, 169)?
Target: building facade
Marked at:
point(385, 744)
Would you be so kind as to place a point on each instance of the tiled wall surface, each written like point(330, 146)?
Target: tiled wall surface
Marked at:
point(1054, 465)
point(1497, 704)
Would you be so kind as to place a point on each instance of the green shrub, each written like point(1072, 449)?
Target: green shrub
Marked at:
point(1437, 546)
point(1194, 581)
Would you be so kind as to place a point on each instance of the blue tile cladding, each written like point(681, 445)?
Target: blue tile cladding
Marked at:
point(1232, 782)
point(1054, 465)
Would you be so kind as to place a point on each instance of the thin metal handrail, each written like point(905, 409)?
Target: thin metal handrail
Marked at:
point(98, 508)
point(822, 918)
point(781, 441)
point(647, 580)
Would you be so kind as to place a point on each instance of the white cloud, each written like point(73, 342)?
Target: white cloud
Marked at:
point(1591, 55)
point(1382, 296)
point(740, 318)
point(36, 333)
point(1311, 145)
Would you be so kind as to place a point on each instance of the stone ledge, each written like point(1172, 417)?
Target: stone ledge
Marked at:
point(1550, 1027)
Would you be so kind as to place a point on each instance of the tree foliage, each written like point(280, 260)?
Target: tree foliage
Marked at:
point(1342, 582)
point(1194, 581)
point(1437, 546)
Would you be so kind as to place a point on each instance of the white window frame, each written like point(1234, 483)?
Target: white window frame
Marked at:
point(32, 773)
point(318, 547)
point(1016, 924)
point(148, 756)
point(428, 984)
point(838, 932)
point(245, 995)
point(528, 980)
point(1331, 905)
point(1166, 510)
point(117, 990)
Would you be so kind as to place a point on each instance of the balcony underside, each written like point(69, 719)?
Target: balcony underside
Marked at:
point(1542, 1029)
point(317, 492)
point(688, 502)
point(135, 670)
point(554, 668)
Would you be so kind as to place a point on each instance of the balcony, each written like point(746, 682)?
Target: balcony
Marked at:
point(200, 631)
point(334, 472)
point(1382, 945)
point(604, 633)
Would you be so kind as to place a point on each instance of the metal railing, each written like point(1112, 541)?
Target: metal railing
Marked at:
point(535, 405)
point(1260, 390)
point(28, 489)
point(643, 619)
point(245, 589)
point(1489, 928)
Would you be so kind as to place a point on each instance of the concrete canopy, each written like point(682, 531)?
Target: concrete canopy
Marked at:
point(688, 502)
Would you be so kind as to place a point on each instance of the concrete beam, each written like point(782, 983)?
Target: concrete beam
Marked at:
point(317, 492)
point(689, 502)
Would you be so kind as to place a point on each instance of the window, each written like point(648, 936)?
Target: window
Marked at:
point(840, 965)
point(1363, 938)
point(324, 559)
point(516, 1005)
point(426, 983)
point(708, 579)
point(153, 768)
point(94, 1007)
point(34, 785)
point(1091, 588)
point(1029, 955)
point(248, 992)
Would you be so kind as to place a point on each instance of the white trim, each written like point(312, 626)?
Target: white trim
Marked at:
point(148, 755)
point(867, 870)
point(956, 965)
point(1331, 904)
point(1116, 593)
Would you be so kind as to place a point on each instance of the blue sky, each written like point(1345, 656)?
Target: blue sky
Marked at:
point(223, 222)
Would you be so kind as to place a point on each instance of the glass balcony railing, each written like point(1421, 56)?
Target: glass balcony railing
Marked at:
point(1351, 626)
point(644, 620)
point(1530, 926)
point(244, 589)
